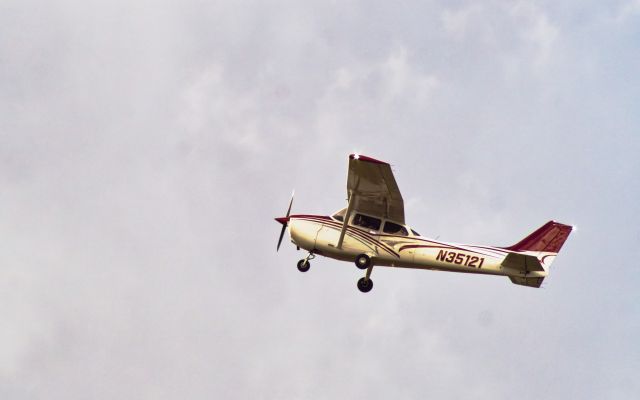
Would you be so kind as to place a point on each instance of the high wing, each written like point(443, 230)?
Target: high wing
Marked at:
point(375, 189)
point(371, 189)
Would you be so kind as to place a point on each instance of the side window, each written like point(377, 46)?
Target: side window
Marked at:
point(395, 229)
point(366, 222)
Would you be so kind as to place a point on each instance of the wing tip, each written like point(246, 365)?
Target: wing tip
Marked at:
point(356, 156)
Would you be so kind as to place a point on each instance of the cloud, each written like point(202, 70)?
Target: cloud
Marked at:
point(147, 147)
point(628, 10)
point(530, 42)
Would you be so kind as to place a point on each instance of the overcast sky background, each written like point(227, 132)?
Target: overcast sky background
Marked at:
point(146, 146)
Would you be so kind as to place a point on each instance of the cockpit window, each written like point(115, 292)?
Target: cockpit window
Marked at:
point(395, 229)
point(340, 215)
point(415, 233)
point(366, 222)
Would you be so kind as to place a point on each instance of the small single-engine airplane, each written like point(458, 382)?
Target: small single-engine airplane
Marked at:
point(371, 231)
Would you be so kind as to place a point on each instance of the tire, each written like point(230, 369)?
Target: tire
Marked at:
point(303, 266)
point(363, 261)
point(365, 285)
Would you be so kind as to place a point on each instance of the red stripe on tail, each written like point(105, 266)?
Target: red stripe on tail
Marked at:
point(548, 238)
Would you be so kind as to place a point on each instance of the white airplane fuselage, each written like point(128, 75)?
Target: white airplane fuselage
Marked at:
point(320, 235)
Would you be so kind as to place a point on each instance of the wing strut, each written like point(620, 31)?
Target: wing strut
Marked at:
point(352, 201)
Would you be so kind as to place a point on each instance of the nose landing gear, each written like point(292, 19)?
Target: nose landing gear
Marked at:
point(304, 264)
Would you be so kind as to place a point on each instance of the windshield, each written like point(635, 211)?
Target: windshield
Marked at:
point(339, 215)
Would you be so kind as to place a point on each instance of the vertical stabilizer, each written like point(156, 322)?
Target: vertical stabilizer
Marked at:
point(549, 238)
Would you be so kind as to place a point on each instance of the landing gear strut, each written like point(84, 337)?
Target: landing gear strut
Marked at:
point(304, 264)
point(365, 284)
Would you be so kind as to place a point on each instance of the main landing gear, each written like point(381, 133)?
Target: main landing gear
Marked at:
point(365, 284)
point(304, 264)
point(363, 261)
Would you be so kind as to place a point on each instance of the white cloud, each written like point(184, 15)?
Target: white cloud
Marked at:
point(539, 32)
point(627, 10)
point(210, 108)
point(520, 34)
point(145, 150)
point(361, 96)
point(458, 22)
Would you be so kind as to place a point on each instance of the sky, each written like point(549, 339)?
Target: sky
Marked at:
point(146, 146)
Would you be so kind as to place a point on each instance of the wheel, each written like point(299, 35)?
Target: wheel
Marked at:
point(363, 261)
point(303, 266)
point(365, 285)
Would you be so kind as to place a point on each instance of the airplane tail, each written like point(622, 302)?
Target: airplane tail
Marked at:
point(536, 252)
point(549, 238)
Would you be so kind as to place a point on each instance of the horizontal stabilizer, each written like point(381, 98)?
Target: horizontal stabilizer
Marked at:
point(522, 263)
point(532, 282)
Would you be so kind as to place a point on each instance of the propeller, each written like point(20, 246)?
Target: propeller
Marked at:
point(284, 221)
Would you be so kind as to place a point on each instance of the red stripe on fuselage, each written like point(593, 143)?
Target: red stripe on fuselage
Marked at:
point(490, 249)
point(361, 234)
point(444, 247)
point(323, 219)
point(335, 225)
point(354, 231)
point(548, 255)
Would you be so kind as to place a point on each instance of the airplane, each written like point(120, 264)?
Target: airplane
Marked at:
point(371, 231)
